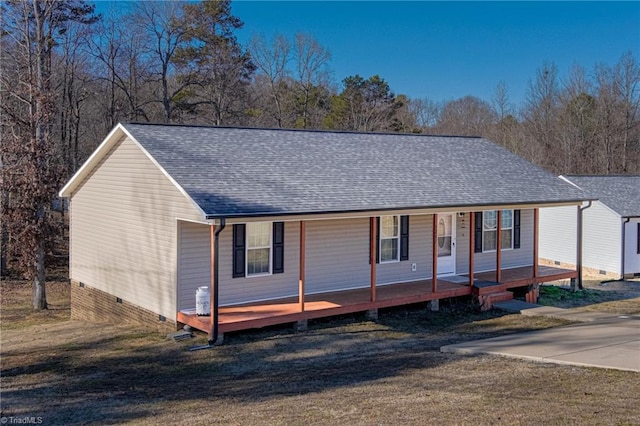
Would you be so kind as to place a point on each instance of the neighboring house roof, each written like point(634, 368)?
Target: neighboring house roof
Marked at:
point(621, 193)
point(235, 172)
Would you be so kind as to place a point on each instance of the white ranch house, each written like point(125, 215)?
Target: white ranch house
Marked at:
point(288, 225)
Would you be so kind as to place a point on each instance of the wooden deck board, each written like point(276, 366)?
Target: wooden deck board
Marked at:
point(282, 311)
point(521, 277)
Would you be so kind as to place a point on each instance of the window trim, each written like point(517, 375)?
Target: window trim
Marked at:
point(396, 237)
point(511, 228)
point(247, 248)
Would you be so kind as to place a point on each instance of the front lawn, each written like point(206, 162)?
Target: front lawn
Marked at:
point(344, 370)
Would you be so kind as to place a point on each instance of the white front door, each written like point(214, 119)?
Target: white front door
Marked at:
point(446, 243)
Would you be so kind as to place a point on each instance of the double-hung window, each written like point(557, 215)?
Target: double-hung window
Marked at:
point(389, 238)
point(489, 227)
point(392, 239)
point(258, 248)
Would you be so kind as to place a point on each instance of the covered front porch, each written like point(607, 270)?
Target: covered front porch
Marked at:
point(289, 310)
point(490, 284)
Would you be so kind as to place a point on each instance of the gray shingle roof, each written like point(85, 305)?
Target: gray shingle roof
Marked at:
point(250, 172)
point(619, 193)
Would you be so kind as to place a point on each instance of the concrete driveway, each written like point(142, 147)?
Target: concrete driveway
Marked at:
point(606, 341)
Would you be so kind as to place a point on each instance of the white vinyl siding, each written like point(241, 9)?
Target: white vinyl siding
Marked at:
point(337, 255)
point(124, 230)
point(420, 237)
point(337, 258)
point(558, 234)
point(602, 239)
point(255, 288)
point(194, 261)
point(487, 261)
point(632, 240)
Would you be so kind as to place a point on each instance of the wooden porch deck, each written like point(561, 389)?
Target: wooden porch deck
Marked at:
point(282, 311)
point(521, 277)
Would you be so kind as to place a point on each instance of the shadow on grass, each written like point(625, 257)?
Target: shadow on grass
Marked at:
point(115, 379)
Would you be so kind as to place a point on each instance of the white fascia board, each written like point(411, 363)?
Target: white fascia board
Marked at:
point(97, 155)
point(569, 182)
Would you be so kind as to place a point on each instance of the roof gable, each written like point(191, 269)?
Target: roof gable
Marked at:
point(234, 172)
point(621, 193)
point(113, 138)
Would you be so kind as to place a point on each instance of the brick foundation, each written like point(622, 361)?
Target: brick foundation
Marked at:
point(586, 271)
point(533, 292)
point(93, 305)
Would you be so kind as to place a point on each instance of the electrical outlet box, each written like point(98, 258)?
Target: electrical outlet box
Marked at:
point(414, 267)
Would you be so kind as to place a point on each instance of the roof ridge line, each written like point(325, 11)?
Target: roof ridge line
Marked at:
point(286, 129)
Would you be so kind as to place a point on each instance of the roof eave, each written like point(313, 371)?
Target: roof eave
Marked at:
point(452, 207)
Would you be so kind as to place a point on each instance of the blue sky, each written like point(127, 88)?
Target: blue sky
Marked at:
point(446, 50)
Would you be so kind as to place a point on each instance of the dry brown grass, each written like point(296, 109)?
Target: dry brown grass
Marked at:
point(622, 297)
point(342, 371)
point(17, 312)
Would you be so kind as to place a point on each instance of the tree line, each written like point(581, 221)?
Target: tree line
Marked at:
point(70, 75)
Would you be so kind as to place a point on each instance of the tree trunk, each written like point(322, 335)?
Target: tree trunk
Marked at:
point(39, 292)
point(4, 236)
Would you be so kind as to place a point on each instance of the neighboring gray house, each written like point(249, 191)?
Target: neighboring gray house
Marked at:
point(611, 228)
point(306, 223)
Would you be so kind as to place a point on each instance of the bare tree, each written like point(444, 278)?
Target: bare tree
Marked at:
point(312, 62)
point(627, 88)
point(271, 59)
point(501, 104)
point(72, 87)
point(32, 165)
point(469, 116)
point(506, 129)
point(427, 113)
point(162, 23)
point(122, 66)
point(540, 118)
point(576, 123)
